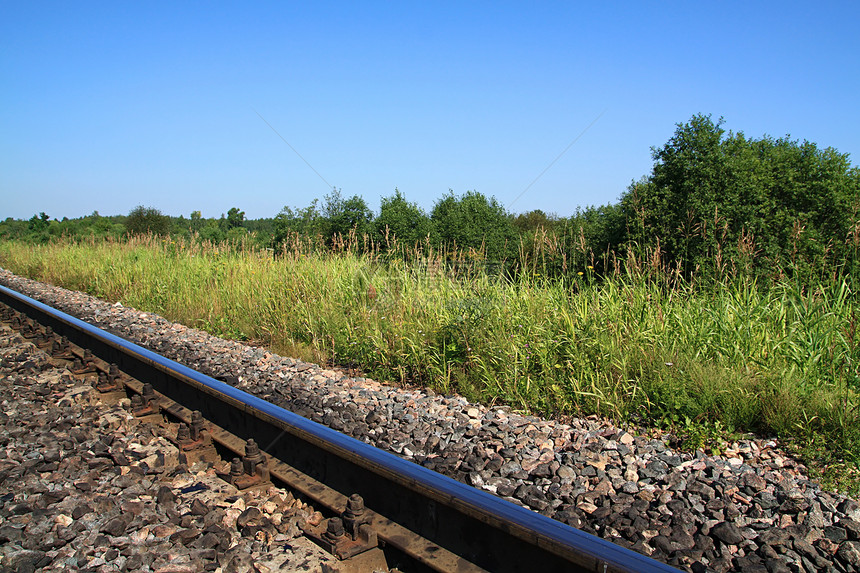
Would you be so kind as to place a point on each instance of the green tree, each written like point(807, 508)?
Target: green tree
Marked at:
point(13, 228)
point(401, 220)
point(593, 232)
point(95, 225)
point(343, 216)
point(39, 223)
point(143, 220)
point(684, 191)
point(306, 222)
point(235, 218)
point(713, 198)
point(527, 223)
point(40, 228)
point(473, 221)
point(196, 221)
point(211, 230)
point(237, 234)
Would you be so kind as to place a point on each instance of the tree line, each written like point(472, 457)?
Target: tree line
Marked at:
point(714, 200)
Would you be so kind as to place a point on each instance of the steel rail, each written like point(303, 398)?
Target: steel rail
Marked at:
point(483, 531)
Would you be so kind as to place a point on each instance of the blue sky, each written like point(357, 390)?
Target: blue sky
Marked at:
point(105, 106)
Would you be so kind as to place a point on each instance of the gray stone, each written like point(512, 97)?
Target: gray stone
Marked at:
point(114, 527)
point(851, 508)
point(26, 561)
point(851, 527)
point(835, 533)
point(704, 491)
point(849, 553)
point(198, 507)
point(165, 496)
point(698, 505)
point(728, 533)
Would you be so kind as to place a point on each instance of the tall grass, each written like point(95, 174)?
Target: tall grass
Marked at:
point(642, 343)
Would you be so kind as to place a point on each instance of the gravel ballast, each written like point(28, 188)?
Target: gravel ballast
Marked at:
point(88, 487)
point(751, 509)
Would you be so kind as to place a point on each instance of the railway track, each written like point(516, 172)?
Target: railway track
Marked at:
point(374, 498)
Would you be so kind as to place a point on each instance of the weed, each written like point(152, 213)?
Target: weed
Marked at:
point(703, 358)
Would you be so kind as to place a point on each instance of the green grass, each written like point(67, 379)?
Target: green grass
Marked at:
point(707, 360)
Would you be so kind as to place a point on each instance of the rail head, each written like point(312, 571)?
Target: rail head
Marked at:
point(486, 530)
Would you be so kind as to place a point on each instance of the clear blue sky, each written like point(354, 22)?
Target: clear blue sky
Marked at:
point(104, 106)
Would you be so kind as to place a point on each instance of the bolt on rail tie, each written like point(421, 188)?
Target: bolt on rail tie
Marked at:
point(195, 442)
point(347, 535)
point(472, 531)
point(145, 403)
point(250, 470)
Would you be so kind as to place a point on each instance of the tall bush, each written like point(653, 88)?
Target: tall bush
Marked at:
point(713, 196)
